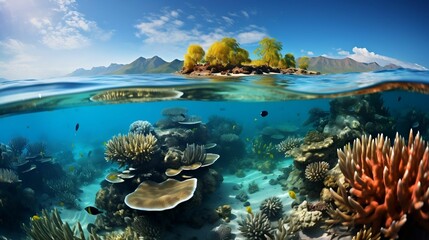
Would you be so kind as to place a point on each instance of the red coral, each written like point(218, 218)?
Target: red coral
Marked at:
point(388, 183)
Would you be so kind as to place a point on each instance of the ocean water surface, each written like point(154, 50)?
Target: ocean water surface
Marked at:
point(66, 141)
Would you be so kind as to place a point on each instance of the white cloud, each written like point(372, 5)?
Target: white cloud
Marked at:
point(190, 17)
point(310, 53)
point(71, 31)
point(174, 14)
point(250, 37)
point(363, 55)
point(245, 14)
point(343, 52)
point(228, 20)
point(168, 36)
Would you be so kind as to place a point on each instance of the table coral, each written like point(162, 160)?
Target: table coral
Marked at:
point(388, 183)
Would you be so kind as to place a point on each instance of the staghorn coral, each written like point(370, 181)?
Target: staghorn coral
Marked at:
point(388, 183)
point(288, 144)
point(8, 176)
point(51, 226)
point(132, 149)
point(316, 171)
point(141, 127)
point(272, 207)
point(366, 234)
point(255, 226)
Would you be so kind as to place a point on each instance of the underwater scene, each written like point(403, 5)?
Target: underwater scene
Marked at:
point(163, 156)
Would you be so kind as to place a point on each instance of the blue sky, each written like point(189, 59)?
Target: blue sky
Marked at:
point(45, 38)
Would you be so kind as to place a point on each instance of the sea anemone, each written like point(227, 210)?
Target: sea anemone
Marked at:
point(193, 154)
point(255, 226)
point(288, 144)
point(316, 171)
point(272, 207)
point(8, 176)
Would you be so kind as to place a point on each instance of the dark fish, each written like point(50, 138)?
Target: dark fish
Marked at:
point(264, 113)
point(182, 115)
point(93, 210)
point(89, 153)
point(76, 127)
point(399, 98)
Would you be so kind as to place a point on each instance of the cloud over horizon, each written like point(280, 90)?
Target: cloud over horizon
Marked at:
point(163, 35)
point(363, 55)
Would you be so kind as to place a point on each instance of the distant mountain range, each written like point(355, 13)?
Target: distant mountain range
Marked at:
point(158, 65)
point(140, 65)
point(330, 65)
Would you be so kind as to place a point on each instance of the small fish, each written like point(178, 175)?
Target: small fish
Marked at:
point(234, 127)
point(255, 119)
point(71, 169)
point(93, 210)
point(271, 155)
point(264, 113)
point(131, 169)
point(399, 98)
point(249, 210)
point(104, 143)
point(182, 115)
point(35, 218)
point(89, 154)
point(81, 155)
point(292, 194)
point(76, 127)
point(248, 139)
point(61, 204)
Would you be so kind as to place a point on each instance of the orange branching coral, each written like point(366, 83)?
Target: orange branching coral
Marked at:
point(388, 183)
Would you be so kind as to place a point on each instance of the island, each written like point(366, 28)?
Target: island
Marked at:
point(226, 58)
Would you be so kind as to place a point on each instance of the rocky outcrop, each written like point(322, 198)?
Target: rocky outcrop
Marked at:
point(207, 70)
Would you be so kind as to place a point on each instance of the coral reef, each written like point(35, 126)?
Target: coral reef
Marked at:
point(255, 226)
point(316, 171)
point(366, 234)
point(224, 212)
point(8, 176)
point(318, 118)
point(152, 196)
point(36, 148)
point(262, 150)
point(193, 154)
point(252, 187)
point(6, 155)
point(134, 150)
point(272, 207)
point(146, 229)
point(316, 147)
point(389, 184)
point(18, 144)
point(301, 218)
point(51, 226)
point(141, 127)
point(223, 232)
point(288, 144)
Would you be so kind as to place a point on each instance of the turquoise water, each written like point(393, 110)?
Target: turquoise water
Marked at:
point(47, 112)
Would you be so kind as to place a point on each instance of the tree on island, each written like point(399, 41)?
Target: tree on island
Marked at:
point(226, 52)
point(269, 51)
point(193, 56)
point(289, 60)
point(303, 62)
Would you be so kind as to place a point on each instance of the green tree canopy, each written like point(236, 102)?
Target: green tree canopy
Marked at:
point(290, 60)
point(194, 55)
point(269, 51)
point(303, 62)
point(226, 52)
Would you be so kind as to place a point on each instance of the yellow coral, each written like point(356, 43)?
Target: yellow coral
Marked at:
point(131, 149)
